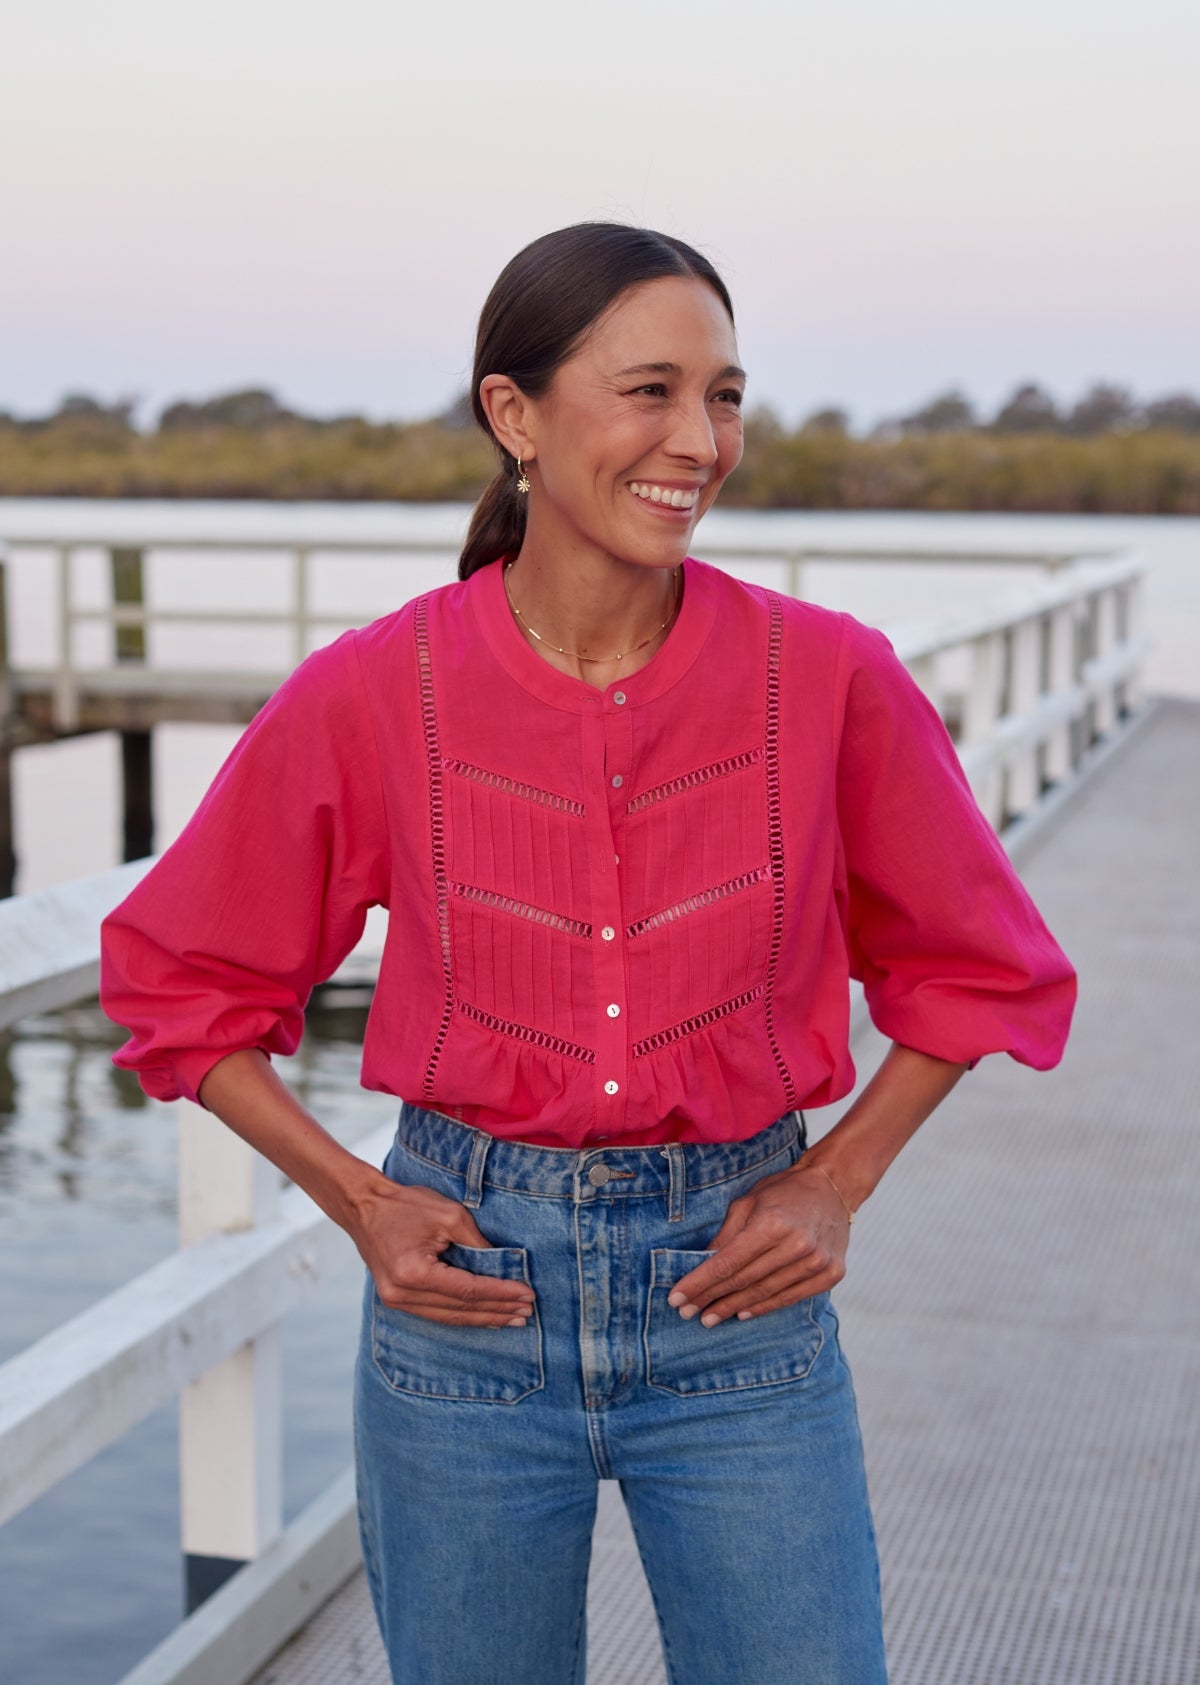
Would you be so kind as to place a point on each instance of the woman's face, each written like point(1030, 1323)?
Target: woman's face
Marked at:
point(640, 427)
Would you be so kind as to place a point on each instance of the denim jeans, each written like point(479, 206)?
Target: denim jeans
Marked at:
point(736, 1447)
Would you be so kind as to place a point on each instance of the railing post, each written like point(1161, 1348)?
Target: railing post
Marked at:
point(924, 670)
point(230, 1421)
point(1024, 689)
point(1104, 643)
point(137, 763)
point(1060, 679)
point(300, 599)
point(795, 573)
point(981, 707)
point(8, 858)
point(66, 697)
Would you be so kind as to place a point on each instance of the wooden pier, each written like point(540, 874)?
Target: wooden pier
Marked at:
point(1021, 1308)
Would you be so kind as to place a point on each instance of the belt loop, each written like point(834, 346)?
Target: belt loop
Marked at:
point(673, 1153)
point(479, 1153)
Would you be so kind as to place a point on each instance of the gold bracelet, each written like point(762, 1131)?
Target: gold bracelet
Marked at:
point(836, 1189)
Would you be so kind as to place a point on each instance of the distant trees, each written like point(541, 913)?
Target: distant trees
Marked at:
point(1029, 410)
point(1105, 453)
point(1104, 408)
point(253, 408)
point(952, 412)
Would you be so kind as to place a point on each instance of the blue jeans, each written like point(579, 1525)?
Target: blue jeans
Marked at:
point(737, 1447)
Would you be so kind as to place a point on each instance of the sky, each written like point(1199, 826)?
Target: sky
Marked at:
point(314, 198)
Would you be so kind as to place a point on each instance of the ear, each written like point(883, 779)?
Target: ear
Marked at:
point(510, 413)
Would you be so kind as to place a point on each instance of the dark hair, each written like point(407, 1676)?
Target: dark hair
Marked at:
point(535, 317)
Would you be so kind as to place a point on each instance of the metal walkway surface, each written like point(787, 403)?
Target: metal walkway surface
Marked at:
point(1022, 1312)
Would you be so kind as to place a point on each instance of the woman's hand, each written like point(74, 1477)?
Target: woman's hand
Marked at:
point(782, 1241)
point(401, 1231)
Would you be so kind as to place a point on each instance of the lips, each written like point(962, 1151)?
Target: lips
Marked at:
point(671, 497)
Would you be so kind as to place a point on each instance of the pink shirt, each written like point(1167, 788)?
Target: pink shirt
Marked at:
point(623, 914)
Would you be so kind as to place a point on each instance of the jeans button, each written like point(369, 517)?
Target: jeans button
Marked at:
point(598, 1175)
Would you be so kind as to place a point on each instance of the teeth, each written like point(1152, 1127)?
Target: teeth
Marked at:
point(673, 499)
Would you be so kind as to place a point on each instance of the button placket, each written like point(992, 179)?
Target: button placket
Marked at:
point(602, 742)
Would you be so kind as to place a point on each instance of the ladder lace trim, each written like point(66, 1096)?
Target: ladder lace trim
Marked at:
point(701, 1021)
point(705, 898)
point(526, 792)
point(775, 844)
point(437, 839)
point(522, 1032)
point(701, 775)
point(520, 909)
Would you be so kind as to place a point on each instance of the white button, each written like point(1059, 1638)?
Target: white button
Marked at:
point(617, 781)
point(611, 1087)
point(608, 933)
point(617, 858)
point(618, 697)
point(614, 1010)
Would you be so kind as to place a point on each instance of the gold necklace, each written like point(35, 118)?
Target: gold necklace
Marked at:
point(574, 654)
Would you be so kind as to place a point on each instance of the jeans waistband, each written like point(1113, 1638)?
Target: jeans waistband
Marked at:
point(587, 1172)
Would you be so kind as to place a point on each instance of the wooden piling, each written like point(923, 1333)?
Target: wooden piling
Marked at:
point(137, 769)
point(8, 858)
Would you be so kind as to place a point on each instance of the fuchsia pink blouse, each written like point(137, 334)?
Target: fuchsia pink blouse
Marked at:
point(628, 914)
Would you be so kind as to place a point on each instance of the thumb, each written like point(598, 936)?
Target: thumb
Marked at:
point(736, 1218)
point(464, 1230)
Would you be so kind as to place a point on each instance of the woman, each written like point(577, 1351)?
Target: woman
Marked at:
point(637, 825)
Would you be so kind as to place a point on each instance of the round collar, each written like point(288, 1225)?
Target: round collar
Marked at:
point(665, 668)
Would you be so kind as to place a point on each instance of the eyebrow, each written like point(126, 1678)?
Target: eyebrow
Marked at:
point(729, 372)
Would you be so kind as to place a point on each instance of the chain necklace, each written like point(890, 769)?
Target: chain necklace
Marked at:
point(574, 654)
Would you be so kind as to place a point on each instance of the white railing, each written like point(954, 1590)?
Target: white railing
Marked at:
point(1031, 686)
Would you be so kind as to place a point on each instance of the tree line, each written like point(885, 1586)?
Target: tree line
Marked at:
point(1106, 453)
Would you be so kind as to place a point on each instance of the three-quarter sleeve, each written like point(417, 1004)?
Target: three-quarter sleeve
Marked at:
point(953, 955)
point(262, 895)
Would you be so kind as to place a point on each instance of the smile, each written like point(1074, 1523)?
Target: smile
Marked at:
point(663, 494)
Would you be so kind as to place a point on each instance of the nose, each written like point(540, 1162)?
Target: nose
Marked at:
point(692, 434)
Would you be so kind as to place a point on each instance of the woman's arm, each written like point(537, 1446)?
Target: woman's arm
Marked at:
point(399, 1230)
point(786, 1239)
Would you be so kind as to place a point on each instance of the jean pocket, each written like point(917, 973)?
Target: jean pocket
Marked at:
point(476, 1365)
point(684, 1357)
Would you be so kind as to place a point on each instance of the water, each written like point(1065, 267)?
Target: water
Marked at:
point(90, 1577)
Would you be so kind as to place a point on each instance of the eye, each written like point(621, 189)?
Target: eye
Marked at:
point(731, 395)
point(656, 387)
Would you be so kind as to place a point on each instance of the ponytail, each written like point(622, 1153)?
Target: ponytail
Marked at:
point(497, 523)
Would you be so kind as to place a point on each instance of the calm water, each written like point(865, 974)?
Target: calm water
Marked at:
point(90, 1576)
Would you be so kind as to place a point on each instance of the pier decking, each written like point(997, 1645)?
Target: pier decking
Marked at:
point(1022, 1312)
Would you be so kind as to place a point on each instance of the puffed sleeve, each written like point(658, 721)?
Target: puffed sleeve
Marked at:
point(953, 955)
point(262, 895)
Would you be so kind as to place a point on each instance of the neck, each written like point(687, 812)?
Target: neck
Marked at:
point(580, 618)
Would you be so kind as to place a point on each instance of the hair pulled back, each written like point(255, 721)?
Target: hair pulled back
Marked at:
point(537, 314)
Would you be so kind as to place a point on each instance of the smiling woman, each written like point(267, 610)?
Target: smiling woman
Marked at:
point(606, 375)
point(638, 825)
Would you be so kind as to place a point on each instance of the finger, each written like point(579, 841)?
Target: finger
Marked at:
point(403, 1297)
point(724, 1272)
point(441, 1283)
point(470, 1290)
point(740, 1264)
point(737, 1215)
point(434, 1312)
point(784, 1286)
point(465, 1230)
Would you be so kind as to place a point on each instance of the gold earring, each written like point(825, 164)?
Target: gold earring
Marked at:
point(522, 478)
